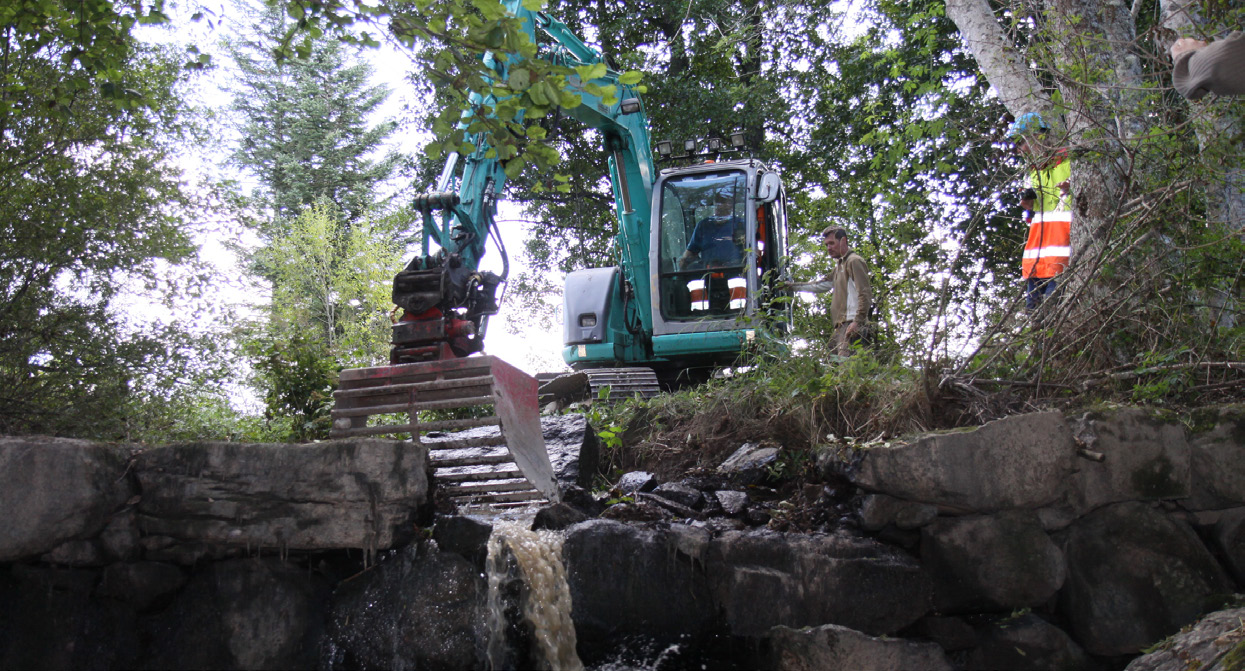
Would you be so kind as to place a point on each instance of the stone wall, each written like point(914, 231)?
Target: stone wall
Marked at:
point(1035, 542)
point(76, 503)
point(1117, 525)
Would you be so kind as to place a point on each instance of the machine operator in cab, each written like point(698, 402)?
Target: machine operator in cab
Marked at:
point(718, 239)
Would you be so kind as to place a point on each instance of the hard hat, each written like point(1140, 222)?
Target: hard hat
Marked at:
point(1029, 122)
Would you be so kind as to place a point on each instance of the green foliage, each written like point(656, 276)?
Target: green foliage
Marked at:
point(329, 310)
point(1150, 311)
point(600, 416)
point(304, 127)
point(899, 150)
point(204, 413)
point(700, 65)
point(791, 464)
point(798, 401)
point(891, 130)
point(298, 375)
point(89, 41)
point(330, 249)
point(93, 204)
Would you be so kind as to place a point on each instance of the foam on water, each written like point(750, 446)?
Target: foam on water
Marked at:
point(547, 605)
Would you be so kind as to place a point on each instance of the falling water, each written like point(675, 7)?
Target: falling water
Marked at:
point(547, 602)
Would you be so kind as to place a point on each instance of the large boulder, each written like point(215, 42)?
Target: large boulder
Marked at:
point(1145, 458)
point(750, 464)
point(992, 562)
point(332, 495)
point(628, 581)
point(764, 579)
point(49, 620)
point(1025, 643)
point(558, 516)
point(1135, 576)
point(1218, 458)
point(54, 490)
point(463, 535)
point(416, 610)
point(833, 647)
point(142, 584)
point(1015, 462)
point(877, 511)
point(574, 449)
point(241, 614)
point(1216, 643)
point(1229, 534)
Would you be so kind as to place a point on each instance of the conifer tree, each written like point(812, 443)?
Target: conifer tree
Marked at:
point(327, 246)
point(304, 126)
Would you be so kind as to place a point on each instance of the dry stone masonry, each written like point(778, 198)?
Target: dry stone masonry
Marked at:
point(1039, 541)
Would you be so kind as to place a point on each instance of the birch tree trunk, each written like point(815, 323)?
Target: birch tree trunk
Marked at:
point(1084, 45)
point(1003, 65)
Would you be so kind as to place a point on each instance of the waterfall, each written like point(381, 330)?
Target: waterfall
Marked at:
point(546, 597)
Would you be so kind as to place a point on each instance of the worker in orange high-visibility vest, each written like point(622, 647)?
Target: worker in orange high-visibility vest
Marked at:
point(1047, 209)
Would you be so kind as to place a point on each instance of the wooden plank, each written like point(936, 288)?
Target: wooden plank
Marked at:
point(488, 488)
point(461, 424)
point(407, 387)
point(445, 369)
point(500, 498)
point(476, 477)
point(503, 505)
point(416, 427)
point(383, 403)
point(453, 403)
point(447, 404)
point(466, 443)
point(373, 431)
point(369, 410)
point(485, 460)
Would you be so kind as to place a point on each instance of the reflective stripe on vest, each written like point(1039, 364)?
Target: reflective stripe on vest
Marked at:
point(1049, 244)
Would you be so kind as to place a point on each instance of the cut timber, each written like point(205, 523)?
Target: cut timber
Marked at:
point(473, 461)
point(474, 477)
point(389, 400)
point(488, 488)
point(517, 497)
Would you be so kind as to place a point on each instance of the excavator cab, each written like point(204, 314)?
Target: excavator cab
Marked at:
point(704, 245)
point(716, 233)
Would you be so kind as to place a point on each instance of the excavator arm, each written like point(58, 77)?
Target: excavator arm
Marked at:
point(622, 322)
point(445, 298)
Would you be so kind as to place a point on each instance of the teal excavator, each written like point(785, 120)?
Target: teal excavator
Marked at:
point(699, 249)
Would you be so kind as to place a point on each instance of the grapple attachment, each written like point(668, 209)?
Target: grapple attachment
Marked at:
point(499, 457)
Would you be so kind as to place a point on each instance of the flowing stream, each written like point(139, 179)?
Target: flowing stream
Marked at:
point(546, 599)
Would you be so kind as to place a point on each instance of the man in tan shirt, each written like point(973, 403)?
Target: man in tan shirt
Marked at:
point(849, 306)
point(1201, 68)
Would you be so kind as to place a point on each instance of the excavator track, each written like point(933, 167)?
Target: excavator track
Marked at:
point(610, 385)
point(496, 458)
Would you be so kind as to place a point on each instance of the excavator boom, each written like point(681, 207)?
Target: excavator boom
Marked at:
point(699, 247)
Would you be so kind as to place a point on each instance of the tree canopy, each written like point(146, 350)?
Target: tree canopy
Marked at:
point(92, 200)
point(886, 116)
point(305, 125)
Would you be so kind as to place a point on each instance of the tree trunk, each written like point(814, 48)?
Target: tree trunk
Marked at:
point(749, 68)
point(1101, 84)
point(1002, 64)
